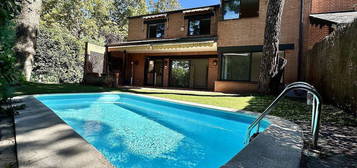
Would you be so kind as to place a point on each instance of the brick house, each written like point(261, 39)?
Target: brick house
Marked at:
point(213, 47)
point(326, 16)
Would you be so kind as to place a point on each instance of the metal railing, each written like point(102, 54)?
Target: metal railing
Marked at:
point(316, 110)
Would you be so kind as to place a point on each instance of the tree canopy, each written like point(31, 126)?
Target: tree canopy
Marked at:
point(9, 9)
point(163, 5)
point(65, 26)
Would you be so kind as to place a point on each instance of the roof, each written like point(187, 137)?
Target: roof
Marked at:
point(197, 10)
point(336, 18)
point(172, 40)
point(155, 16)
point(208, 44)
point(176, 11)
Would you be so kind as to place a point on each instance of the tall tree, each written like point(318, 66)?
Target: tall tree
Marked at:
point(26, 32)
point(163, 5)
point(122, 9)
point(97, 20)
point(9, 75)
point(66, 25)
point(270, 62)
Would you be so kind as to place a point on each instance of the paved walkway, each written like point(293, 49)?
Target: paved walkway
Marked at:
point(337, 147)
point(45, 141)
point(7, 143)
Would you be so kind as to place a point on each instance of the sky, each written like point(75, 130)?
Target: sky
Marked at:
point(198, 3)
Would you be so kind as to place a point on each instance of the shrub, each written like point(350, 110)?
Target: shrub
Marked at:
point(59, 57)
point(8, 73)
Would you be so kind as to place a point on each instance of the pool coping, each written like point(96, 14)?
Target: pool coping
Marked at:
point(43, 140)
point(280, 145)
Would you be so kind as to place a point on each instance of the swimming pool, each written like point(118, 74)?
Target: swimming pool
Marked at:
point(137, 131)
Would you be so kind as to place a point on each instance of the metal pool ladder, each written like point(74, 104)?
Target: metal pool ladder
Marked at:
point(316, 110)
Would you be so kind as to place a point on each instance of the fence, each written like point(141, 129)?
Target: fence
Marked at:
point(332, 67)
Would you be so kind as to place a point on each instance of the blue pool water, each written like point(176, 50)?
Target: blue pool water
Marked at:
point(140, 132)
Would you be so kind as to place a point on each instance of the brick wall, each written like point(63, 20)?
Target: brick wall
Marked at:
point(250, 31)
point(323, 6)
point(137, 29)
point(173, 26)
point(317, 33)
point(212, 72)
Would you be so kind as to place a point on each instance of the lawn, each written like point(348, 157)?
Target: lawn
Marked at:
point(291, 109)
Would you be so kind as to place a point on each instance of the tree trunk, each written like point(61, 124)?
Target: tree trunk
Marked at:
point(26, 31)
point(269, 65)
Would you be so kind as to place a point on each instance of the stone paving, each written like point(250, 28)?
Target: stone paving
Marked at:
point(337, 147)
point(7, 143)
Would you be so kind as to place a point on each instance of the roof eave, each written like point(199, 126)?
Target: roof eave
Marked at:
point(163, 41)
point(174, 11)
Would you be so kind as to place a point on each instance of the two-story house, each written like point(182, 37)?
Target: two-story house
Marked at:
point(213, 47)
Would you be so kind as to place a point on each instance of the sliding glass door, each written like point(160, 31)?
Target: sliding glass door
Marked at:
point(180, 73)
point(154, 72)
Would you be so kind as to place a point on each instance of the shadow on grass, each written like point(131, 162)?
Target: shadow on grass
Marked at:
point(180, 93)
point(29, 88)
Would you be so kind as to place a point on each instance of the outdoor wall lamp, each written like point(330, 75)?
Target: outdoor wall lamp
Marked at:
point(134, 62)
point(215, 62)
point(182, 28)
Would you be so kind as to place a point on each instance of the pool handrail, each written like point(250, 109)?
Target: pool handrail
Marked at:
point(316, 110)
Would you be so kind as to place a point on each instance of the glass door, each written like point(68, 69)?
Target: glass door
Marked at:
point(180, 73)
point(154, 72)
point(158, 72)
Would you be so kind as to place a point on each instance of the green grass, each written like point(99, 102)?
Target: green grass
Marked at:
point(291, 109)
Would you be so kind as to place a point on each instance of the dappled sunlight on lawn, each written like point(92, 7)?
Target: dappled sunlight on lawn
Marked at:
point(234, 101)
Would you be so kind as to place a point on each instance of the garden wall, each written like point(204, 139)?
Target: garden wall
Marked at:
point(332, 67)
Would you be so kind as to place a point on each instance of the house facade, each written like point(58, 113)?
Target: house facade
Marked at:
point(215, 47)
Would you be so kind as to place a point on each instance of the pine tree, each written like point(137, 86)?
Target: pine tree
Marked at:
point(269, 66)
point(163, 5)
point(26, 32)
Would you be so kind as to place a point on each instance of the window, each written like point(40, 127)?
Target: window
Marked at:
point(199, 27)
point(235, 9)
point(236, 66)
point(242, 66)
point(255, 66)
point(231, 9)
point(156, 30)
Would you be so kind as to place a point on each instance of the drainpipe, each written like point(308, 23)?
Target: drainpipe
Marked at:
point(301, 38)
point(123, 72)
point(106, 59)
point(85, 64)
point(132, 72)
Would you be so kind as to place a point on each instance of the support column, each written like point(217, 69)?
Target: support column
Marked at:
point(166, 72)
point(212, 72)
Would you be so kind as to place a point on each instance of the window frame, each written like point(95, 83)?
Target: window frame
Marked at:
point(242, 8)
point(250, 67)
point(222, 11)
point(155, 24)
point(199, 19)
point(221, 59)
